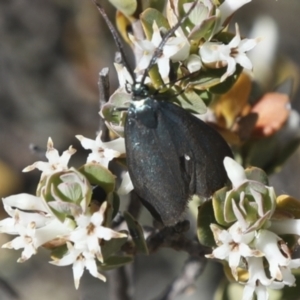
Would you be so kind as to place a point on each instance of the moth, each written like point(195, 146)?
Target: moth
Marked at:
point(171, 154)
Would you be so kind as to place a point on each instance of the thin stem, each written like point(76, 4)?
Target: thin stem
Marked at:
point(116, 37)
point(192, 269)
point(103, 85)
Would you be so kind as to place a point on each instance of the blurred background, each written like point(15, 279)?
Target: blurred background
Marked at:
point(51, 52)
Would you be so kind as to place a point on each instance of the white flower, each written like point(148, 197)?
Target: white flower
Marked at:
point(279, 259)
point(55, 162)
point(33, 221)
point(232, 245)
point(80, 259)
point(257, 280)
point(90, 230)
point(31, 238)
point(86, 248)
point(24, 209)
point(102, 152)
point(171, 51)
point(26, 240)
point(228, 55)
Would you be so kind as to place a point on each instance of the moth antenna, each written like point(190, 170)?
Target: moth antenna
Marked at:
point(160, 47)
point(116, 37)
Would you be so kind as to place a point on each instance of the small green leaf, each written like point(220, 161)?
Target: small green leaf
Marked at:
point(136, 233)
point(218, 201)
point(204, 30)
point(99, 175)
point(110, 247)
point(191, 101)
point(205, 218)
point(226, 85)
point(257, 174)
point(115, 204)
point(127, 7)
point(110, 114)
point(115, 262)
point(156, 4)
point(148, 17)
point(59, 252)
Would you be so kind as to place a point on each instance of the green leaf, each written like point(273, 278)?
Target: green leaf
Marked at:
point(136, 233)
point(99, 175)
point(205, 79)
point(110, 247)
point(148, 17)
point(205, 218)
point(115, 262)
point(191, 101)
point(59, 252)
point(110, 114)
point(226, 85)
point(156, 4)
point(257, 174)
point(204, 30)
point(218, 201)
point(115, 204)
point(127, 7)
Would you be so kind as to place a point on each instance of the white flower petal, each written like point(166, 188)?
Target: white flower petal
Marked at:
point(86, 143)
point(244, 61)
point(26, 202)
point(235, 172)
point(156, 36)
point(92, 267)
point(78, 268)
point(126, 185)
point(267, 242)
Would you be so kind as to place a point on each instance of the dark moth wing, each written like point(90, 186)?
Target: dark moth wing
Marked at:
point(172, 155)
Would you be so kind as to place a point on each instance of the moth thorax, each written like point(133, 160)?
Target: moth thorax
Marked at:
point(139, 91)
point(144, 112)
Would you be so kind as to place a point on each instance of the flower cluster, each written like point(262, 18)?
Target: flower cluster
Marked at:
point(62, 215)
point(247, 234)
point(205, 21)
point(200, 54)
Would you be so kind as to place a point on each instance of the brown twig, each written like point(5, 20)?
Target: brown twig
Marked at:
point(103, 86)
point(192, 269)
